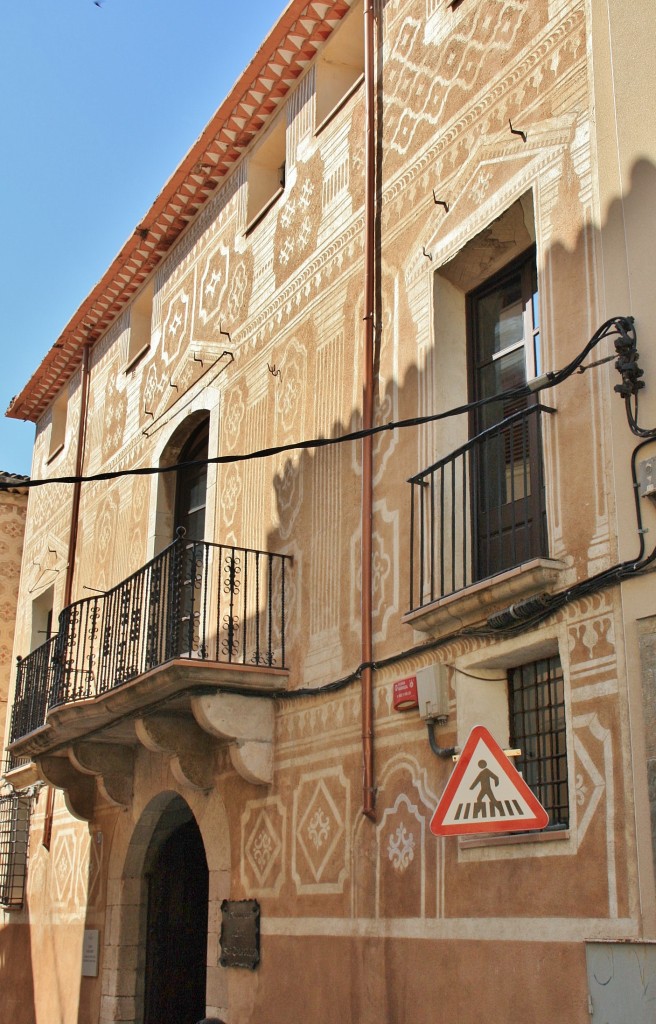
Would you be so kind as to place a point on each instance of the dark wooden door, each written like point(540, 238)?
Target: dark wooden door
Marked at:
point(176, 942)
point(191, 495)
point(507, 491)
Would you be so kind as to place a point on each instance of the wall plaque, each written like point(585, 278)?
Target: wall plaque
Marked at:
point(240, 933)
point(90, 953)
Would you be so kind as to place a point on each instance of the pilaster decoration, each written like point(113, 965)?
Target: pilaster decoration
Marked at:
point(113, 766)
point(247, 723)
point(79, 789)
point(190, 749)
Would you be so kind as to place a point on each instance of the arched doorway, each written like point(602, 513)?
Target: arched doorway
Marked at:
point(177, 882)
point(191, 487)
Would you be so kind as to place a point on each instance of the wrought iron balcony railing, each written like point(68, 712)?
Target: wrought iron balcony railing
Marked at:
point(196, 600)
point(480, 510)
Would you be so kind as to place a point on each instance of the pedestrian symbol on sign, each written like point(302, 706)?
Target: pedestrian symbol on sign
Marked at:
point(483, 779)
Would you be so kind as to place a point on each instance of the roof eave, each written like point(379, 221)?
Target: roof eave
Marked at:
point(208, 161)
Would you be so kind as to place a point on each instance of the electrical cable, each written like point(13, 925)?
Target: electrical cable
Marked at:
point(623, 327)
point(620, 326)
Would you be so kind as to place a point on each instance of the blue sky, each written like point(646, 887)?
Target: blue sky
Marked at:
point(98, 106)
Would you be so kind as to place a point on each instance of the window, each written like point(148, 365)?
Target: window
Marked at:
point(507, 498)
point(479, 508)
point(339, 66)
point(141, 313)
point(14, 839)
point(58, 424)
point(266, 172)
point(536, 702)
point(190, 504)
point(191, 491)
point(42, 624)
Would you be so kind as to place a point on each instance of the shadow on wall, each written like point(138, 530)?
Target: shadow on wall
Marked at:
point(584, 278)
point(16, 977)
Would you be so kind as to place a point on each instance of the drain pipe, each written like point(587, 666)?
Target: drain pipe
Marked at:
point(369, 796)
point(77, 487)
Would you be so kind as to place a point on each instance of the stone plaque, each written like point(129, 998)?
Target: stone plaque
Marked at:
point(240, 933)
point(90, 953)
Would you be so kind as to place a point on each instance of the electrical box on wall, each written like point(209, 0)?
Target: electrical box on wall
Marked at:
point(433, 692)
point(647, 478)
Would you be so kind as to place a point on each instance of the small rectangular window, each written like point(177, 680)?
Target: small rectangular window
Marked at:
point(536, 697)
point(42, 624)
point(58, 424)
point(266, 172)
point(340, 65)
point(141, 314)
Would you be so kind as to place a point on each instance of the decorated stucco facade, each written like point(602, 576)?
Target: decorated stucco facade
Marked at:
point(502, 129)
point(13, 507)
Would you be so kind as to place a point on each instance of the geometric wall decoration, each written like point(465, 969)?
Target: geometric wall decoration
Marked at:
point(321, 829)
point(263, 846)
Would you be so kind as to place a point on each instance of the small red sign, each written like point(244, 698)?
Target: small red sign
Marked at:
point(405, 694)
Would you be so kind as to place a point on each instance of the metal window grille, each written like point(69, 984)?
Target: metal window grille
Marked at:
point(15, 809)
point(536, 694)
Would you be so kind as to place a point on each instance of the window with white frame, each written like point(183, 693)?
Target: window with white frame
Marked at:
point(58, 424)
point(141, 314)
point(479, 508)
point(42, 618)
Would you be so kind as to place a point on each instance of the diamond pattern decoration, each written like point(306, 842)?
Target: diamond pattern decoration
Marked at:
point(263, 830)
point(62, 875)
point(320, 855)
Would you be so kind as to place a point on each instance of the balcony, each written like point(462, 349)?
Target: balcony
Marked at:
point(199, 619)
point(478, 529)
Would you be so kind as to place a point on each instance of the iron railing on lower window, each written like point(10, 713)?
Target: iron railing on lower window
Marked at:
point(199, 600)
point(479, 510)
point(15, 811)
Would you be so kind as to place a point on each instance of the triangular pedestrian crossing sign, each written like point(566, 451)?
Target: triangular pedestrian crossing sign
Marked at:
point(486, 793)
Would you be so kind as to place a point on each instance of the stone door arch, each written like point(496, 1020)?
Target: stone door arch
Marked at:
point(134, 855)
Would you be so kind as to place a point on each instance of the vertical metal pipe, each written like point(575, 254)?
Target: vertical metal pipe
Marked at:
point(368, 417)
point(77, 487)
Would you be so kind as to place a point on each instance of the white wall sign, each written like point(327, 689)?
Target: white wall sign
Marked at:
point(90, 948)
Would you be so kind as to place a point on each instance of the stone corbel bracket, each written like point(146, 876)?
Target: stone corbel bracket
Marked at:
point(79, 790)
point(113, 766)
point(248, 724)
point(190, 749)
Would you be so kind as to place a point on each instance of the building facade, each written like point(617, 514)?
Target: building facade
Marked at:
point(14, 807)
point(330, 422)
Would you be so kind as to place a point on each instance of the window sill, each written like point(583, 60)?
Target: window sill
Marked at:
point(54, 453)
point(134, 359)
point(325, 121)
point(254, 221)
point(23, 776)
point(550, 836)
point(473, 604)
